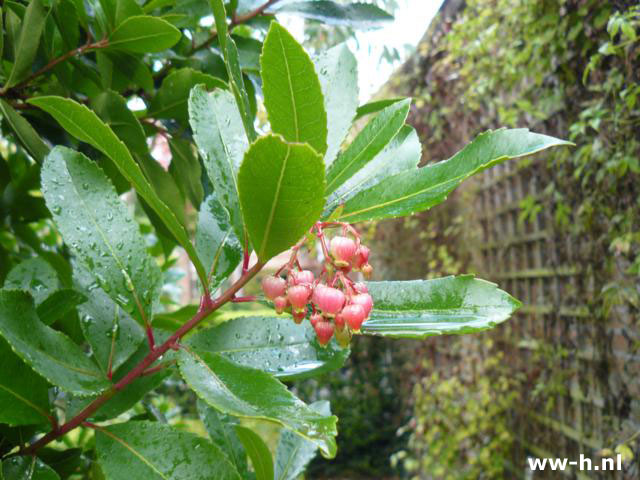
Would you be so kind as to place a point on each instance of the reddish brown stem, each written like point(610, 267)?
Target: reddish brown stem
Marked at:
point(157, 368)
point(145, 363)
point(150, 338)
point(250, 298)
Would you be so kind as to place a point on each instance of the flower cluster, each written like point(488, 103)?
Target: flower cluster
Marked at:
point(333, 302)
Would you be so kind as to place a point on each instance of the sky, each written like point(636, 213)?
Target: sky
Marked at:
point(412, 19)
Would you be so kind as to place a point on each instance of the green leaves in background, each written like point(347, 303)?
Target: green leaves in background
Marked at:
point(59, 304)
point(258, 453)
point(186, 171)
point(369, 142)
point(100, 230)
point(281, 193)
point(142, 34)
point(24, 395)
point(26, 47)
point(421, 308)
point(338, 74)
point(25, 133)
point(85, 125)
point(416, 190)
point(34, 275)
point(154, 451)
point(218, 132)
point(222, 432)
point(354, 15)
point(292, 93)
point(246, 392)
point(216, 244)
point(273, 344)
point(47, 351)
point(27, 468)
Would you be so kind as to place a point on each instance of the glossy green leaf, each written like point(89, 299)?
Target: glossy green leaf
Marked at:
point(402, 153)
point(186, 171)
point(68, 22)
point(249, 50)
point(125, 9)
point(246, 392)
point(292, 93)
point(171, 321)
point(258, 452)
point(25, 133)
point(218, 132)
point(143, 34)
point(375, 106)
point(281, 193)
point(124, 399)
point(171, 99)
point(369, 142)
point(110, 331)
point(294, 453)
point(232, 63)
point(85, 125)
point(58, 304)
point(223, 435)
point(27, 468)
point(417, 190)
point(354, 15)
point(153, 451)
point(216, 243)
point(26, 47)
point(34, 275)
point(338, 73)
point(47, 351)
point(24, 395)
point(99, 229)
point(112, 108)
point(273, 344)
point(449, 305)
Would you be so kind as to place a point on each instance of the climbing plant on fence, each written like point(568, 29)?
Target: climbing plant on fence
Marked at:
point(84, 333)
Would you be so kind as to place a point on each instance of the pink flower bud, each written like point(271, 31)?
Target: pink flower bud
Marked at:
point(338, 321)
point(304, 277)
point(365, 300)
point(343, 249)
point(299, 314)
point(354, 315)
point(361, 257)
point(315, 318)
point(329, 300)
point(367, 270)
point(280, 303)
point(273, 287)
point(324, 332)
point(361, 287)
point(298, 296)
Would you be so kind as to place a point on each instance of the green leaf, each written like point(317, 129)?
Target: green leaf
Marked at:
point(375, 106)
point(100, 230)
point(27, 468)
point(232, 63)
point(28, 42)
point(126, 398)
point(85, 125)
point(219, 135)
point(402, 153)
point(186, 171)
point(58, 304)
point(48, 352)
point(112, 108)
point(153, 451)
point(338, 73)
point(25, 133)
point(66, 17)
point(354, 15)
point(171, 321)
point(449, 305)
point(126, 9)
point(142, 34)
point(223, 435)
point(24, 395)
point(216, 244)
point(417, 190)
point(369, 142)
point(273, 344)
point(294, 453)
point(258, 453)
point(292, 93)
point(250, 393)
point(112, 334)
point(281, 193)
point(35, 276)
point(171, 99)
